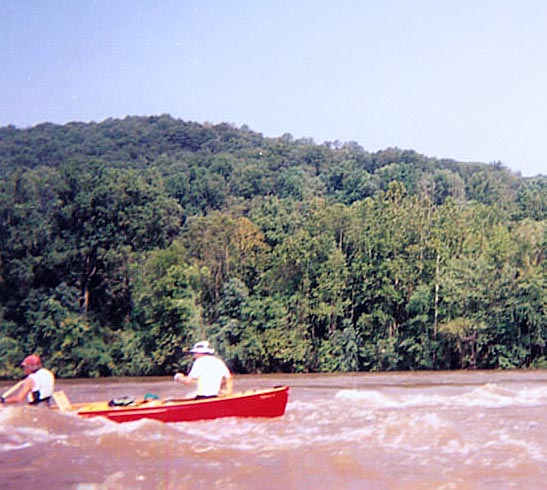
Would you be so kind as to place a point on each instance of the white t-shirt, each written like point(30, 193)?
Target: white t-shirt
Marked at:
point(42, 381)
point(209, 371)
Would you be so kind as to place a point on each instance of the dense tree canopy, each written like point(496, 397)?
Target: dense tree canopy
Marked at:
point(123, 242)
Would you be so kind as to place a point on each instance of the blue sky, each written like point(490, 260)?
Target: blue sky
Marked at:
point(461, 79)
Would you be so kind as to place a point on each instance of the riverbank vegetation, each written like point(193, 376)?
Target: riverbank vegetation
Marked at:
point(123, 242)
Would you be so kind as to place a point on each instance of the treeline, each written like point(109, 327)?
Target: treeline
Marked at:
point(125, 241)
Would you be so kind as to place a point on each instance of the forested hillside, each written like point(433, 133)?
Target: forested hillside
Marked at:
point(122, 242)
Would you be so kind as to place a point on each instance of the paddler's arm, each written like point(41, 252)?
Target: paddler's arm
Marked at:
point(22, 391)
point(181, 378)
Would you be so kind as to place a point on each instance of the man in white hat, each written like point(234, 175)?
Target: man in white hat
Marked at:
point(208, 371)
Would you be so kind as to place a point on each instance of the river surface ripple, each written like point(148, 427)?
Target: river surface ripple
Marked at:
point(424, 430)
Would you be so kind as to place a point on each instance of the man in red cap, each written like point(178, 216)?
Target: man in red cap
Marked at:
point(37, 387)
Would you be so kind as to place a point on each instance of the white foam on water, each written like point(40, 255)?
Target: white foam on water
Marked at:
point(300, 405)
point(371, 397)
point(298, 428)
point(417, 432)
point(9, 446)
point(502, 441)
point(6, 416)
point(19, 431)
point(533, 396)
point(103, 430)
point(114, 481)
point(489, 395)
point(496, 396)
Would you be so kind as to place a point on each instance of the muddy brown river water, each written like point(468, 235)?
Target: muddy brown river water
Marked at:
point(424, 430)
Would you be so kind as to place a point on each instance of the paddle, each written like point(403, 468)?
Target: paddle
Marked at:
point(13, 389)
point(62, 400)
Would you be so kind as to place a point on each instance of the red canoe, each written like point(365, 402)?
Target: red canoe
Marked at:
point(256, 403)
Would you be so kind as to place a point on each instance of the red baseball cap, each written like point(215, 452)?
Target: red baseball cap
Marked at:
point(32, 361)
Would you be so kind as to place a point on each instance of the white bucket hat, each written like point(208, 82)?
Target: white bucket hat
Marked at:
point(202, 347)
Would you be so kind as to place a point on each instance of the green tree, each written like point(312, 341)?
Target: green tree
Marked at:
point(166, 313)
point(106, 215)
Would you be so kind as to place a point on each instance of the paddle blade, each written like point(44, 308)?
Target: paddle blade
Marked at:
point(62, 401)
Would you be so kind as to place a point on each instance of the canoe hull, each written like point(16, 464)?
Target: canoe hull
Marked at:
point(258, 403)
